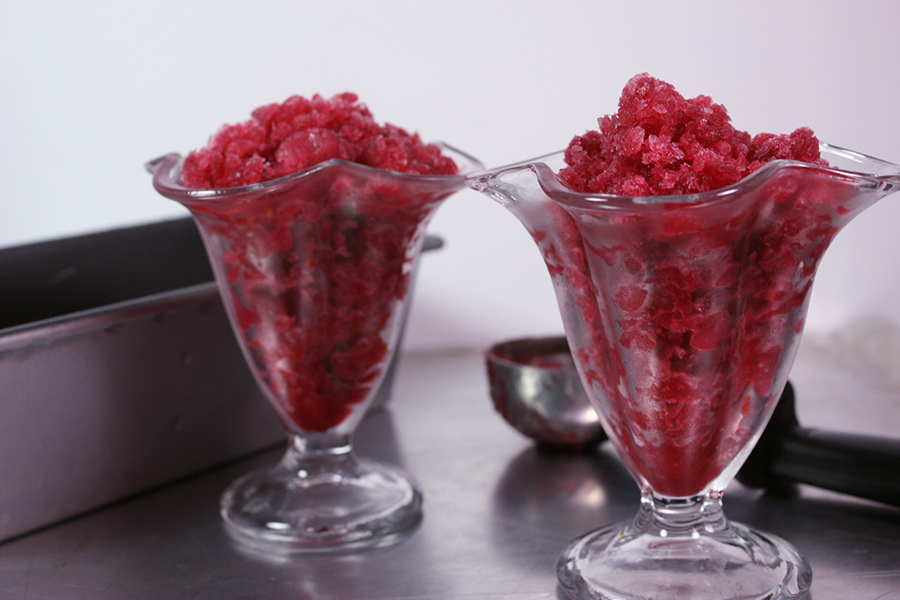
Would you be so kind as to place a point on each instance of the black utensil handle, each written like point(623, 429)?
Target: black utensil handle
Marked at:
point(859, 465)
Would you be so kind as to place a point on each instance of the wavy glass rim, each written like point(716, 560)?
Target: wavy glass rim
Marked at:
point(886, 179)
point(166, 171)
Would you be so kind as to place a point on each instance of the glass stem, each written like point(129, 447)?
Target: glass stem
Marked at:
point(314, 456)
point(688, 517)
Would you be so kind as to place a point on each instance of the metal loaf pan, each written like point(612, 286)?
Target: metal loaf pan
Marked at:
point(118, 372)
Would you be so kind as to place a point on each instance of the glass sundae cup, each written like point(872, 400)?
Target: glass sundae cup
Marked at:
point(315, 272)
point(684, 314)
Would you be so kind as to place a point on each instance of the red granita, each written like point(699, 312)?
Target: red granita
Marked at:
point(317, 268)
point(687, 308)
point(661, 144)
point(282, 139)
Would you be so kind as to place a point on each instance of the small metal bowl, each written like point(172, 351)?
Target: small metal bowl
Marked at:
point(536, 388)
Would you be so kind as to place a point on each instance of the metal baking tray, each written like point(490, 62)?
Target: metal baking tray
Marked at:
point(118, 372)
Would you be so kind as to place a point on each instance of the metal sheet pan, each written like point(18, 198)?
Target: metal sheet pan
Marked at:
point(118, 372)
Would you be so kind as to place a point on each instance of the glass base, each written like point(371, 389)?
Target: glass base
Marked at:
point(702, 558)
point(321, 505)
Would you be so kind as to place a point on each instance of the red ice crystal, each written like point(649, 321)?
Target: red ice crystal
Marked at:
point(315, 273)
point(687, 310)
point(299, 133)
point(661, 144)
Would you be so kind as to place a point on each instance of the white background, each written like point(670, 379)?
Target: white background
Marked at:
point(91, 90)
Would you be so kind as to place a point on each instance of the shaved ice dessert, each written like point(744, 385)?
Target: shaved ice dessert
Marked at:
point(282, 139)
point(682, 253)
point(317, 255)
point(688, 305)
point(661, 144)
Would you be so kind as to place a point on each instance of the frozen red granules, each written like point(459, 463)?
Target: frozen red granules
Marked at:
point(282, 139)
point(316, 268)
point(661, 144)
point(688, 310)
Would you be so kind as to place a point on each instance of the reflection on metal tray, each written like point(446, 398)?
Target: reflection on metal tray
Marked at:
point(118, 372)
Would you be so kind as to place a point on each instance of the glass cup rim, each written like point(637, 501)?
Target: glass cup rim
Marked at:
point(887, 179)
point(166, 171)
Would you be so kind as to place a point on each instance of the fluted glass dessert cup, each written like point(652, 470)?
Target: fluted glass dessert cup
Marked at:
point(684, 314)
point(315, 270)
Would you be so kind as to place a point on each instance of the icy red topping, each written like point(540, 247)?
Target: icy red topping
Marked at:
point(299, 133)
point(687, 312)
point(661, 144)
point(316, 271)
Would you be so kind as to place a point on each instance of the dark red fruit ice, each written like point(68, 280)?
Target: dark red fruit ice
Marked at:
point(661, 144)
point(299, 133)
point(316, 270)
point(688, 308)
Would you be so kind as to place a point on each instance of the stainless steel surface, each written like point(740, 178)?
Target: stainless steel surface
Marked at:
point(118, 372)
point(535, 387)
point(497, 512)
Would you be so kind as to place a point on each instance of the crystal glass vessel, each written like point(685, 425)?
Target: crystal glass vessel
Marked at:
point(315, 271)
point(684, 314)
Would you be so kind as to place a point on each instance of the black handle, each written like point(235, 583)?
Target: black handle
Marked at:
point(859, 465)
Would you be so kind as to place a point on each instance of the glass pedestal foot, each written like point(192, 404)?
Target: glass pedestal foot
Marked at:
point(653, 558)
point(322, 505)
